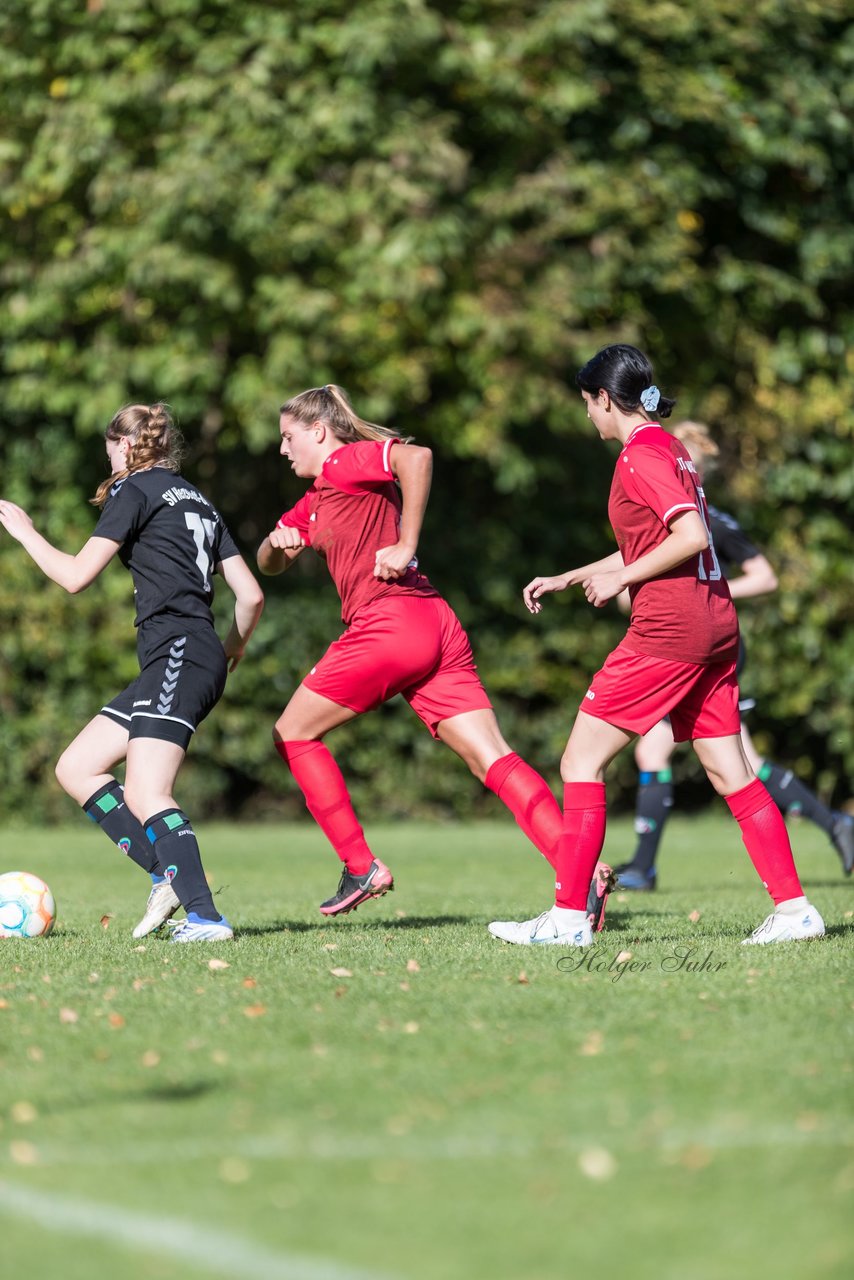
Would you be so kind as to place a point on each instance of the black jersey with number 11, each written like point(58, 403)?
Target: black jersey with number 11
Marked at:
point(171, 540)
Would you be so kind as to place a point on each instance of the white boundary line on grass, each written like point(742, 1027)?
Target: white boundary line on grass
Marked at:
point(204, 1249)
point(334, 1147)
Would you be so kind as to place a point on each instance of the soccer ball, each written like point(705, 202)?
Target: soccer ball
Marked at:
point(27, 908)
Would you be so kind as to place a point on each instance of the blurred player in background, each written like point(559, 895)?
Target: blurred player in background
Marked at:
point(172, 541)
point(678, 658)
point(654, 750)
point(363, 515)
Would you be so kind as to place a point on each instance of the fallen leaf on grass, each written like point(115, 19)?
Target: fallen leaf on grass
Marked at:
point(151, 1058)
point(249, 982)
point(23, 1113)
point(341, 973)
point(411, 1028)
point(69, 1015)
point(597, 1163)
point(116, 1020)
point(23, 1153)
point(139, 948)
point(592, 1044)
point(105, 921)
point(523, 979)
point(412, 966)
point(218, 964)
point(330, 946)
point(623, 957)
point(4, 1004)
point(694, 916)
point(255, 1010)
point(404, 986)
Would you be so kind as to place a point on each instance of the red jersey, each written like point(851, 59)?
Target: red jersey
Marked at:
point(352, 510)
point(685, 614)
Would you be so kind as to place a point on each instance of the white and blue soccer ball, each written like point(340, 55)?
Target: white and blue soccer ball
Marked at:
point(27, 908)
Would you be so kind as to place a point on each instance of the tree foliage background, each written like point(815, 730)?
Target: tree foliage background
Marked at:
point(445, 206)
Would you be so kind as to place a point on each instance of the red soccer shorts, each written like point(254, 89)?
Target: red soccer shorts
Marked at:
point(412, 645)
point(633, 692)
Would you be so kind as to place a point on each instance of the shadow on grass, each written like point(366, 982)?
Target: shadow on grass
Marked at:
point(180, 1091)
point(304, 926)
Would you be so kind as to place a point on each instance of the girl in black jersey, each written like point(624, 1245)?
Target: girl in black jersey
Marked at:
point(172, 540)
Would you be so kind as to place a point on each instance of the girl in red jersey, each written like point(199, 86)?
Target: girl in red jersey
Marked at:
point(362, 515)
point(678, 658)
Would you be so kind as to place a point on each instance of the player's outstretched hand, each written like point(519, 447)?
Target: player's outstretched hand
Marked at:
point(14, 519)
point(392, 562)
point(538, 587)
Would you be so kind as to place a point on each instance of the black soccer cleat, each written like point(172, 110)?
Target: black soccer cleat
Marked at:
point(352, 890)
point(601, 885)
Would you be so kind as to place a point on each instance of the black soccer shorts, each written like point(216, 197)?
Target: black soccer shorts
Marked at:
point(182, 677)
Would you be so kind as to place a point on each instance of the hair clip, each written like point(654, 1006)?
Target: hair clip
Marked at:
point(650, 397)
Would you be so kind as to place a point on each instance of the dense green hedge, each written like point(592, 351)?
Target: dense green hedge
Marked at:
point(445, 207)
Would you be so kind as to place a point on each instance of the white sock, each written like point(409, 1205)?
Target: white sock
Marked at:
point(566, 918)
point(791, 907)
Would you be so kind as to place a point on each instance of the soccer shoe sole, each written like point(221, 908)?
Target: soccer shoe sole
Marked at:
point(355, 900)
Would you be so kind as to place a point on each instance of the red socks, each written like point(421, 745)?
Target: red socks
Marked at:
point(766, 840)
point(529, 798)
point(580, 844)
point(328, 801)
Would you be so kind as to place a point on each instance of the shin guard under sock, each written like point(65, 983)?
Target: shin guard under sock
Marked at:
point(581, 843)
point(529, 798)
point(328, 801)
point(652, 809)
point(793, 796)
point(177, 850)
point(766, 840)
point(107, 807)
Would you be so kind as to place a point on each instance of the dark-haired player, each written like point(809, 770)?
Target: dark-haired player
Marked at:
point(678, 658)
point(653, 751)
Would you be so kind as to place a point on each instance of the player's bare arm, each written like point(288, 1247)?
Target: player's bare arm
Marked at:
point(544, 586)
point(757, 578)
point(248, 607)
point(688, 537)
point(279, 550)
point(412, 466)
point(72, 572)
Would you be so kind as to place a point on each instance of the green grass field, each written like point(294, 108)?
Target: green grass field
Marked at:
point(399, 1095)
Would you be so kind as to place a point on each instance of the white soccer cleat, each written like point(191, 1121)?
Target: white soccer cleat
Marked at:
point(199, 930)
point(162, 904)
point(542, 931)
point(782, 927)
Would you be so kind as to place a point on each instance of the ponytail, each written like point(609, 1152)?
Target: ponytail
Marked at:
point(330, 405)
point(626, 374)
point(153, 438)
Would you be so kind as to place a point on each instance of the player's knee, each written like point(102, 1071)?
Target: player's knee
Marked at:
point(650, 759)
